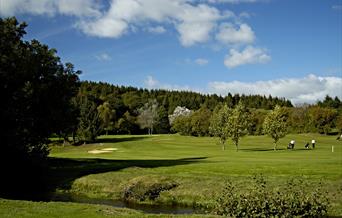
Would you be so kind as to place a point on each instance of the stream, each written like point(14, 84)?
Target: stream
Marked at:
point(146, 208)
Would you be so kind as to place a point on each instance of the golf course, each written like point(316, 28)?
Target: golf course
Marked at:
point(196, 167)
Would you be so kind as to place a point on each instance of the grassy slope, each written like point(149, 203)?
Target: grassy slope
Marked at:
point(200, 166)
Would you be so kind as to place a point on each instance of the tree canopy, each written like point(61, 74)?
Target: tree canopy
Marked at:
point(36, 89)
point(275, 124)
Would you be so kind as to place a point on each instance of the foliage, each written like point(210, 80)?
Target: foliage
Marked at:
point(162, 124)
point(200, 121)
point(148, 115)
point(322, 119)
point(257, 118)
point(330, 102)
point(339, 123)
point(123, 99)
point(182, 125)
point(89, 120)
point(127, 124)
point(275, 124)
point(227, 122)
point(187, 122)
point(262, 201)
point(218, 123)
point(129, 99)
point(238, 123)
point(106, 114)
point(299, 120)
point(36, 89)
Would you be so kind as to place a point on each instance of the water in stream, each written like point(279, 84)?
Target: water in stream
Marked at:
point(154, 209)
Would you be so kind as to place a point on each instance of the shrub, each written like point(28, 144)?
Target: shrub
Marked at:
point(262, 201)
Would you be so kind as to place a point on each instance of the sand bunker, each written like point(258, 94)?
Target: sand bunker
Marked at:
point(104, 150)
point(109, 149)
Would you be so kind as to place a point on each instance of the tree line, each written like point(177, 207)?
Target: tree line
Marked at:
point(129, 110)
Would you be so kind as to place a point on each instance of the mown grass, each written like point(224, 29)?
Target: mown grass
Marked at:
point(197, 165)
point(200, 167)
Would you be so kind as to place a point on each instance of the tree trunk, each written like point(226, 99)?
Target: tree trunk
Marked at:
point(237, 146)
point(223, 147)
point(275, 146)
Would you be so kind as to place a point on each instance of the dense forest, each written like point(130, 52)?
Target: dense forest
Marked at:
point(125, 110)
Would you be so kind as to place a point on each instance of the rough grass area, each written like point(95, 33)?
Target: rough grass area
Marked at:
point(146, 188)
point(197, 165)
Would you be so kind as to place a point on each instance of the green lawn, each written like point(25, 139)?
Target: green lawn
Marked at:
point(197, 165)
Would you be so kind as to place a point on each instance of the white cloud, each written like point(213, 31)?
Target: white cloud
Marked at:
point(201, 61)
point(103, 57)
point(48, 7)
point(78, 7)
point(250, 55)
point(152, 83)
point(244, 15)
point(196, 21)
point(228, 34)
point(192, 33)
point(104, 27)
point(232, 1)
point(299, 90)
point(191, 27)
point(157, 29)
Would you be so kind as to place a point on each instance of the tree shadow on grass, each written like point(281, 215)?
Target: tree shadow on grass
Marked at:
point(260, 149)
point(61, 173)
point(103, 140)
point(123, 139)
point(271, 149)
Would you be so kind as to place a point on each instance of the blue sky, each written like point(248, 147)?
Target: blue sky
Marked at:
point(285, 48)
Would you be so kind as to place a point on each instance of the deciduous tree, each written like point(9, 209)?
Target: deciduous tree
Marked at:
point(219, 124)
point(238, 123)
point(148, 115)
point(275, 124)
point(36, 89)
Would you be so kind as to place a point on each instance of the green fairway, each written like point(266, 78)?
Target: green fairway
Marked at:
point(197, 165)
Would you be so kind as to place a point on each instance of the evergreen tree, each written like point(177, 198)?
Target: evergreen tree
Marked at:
point(89, 120)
